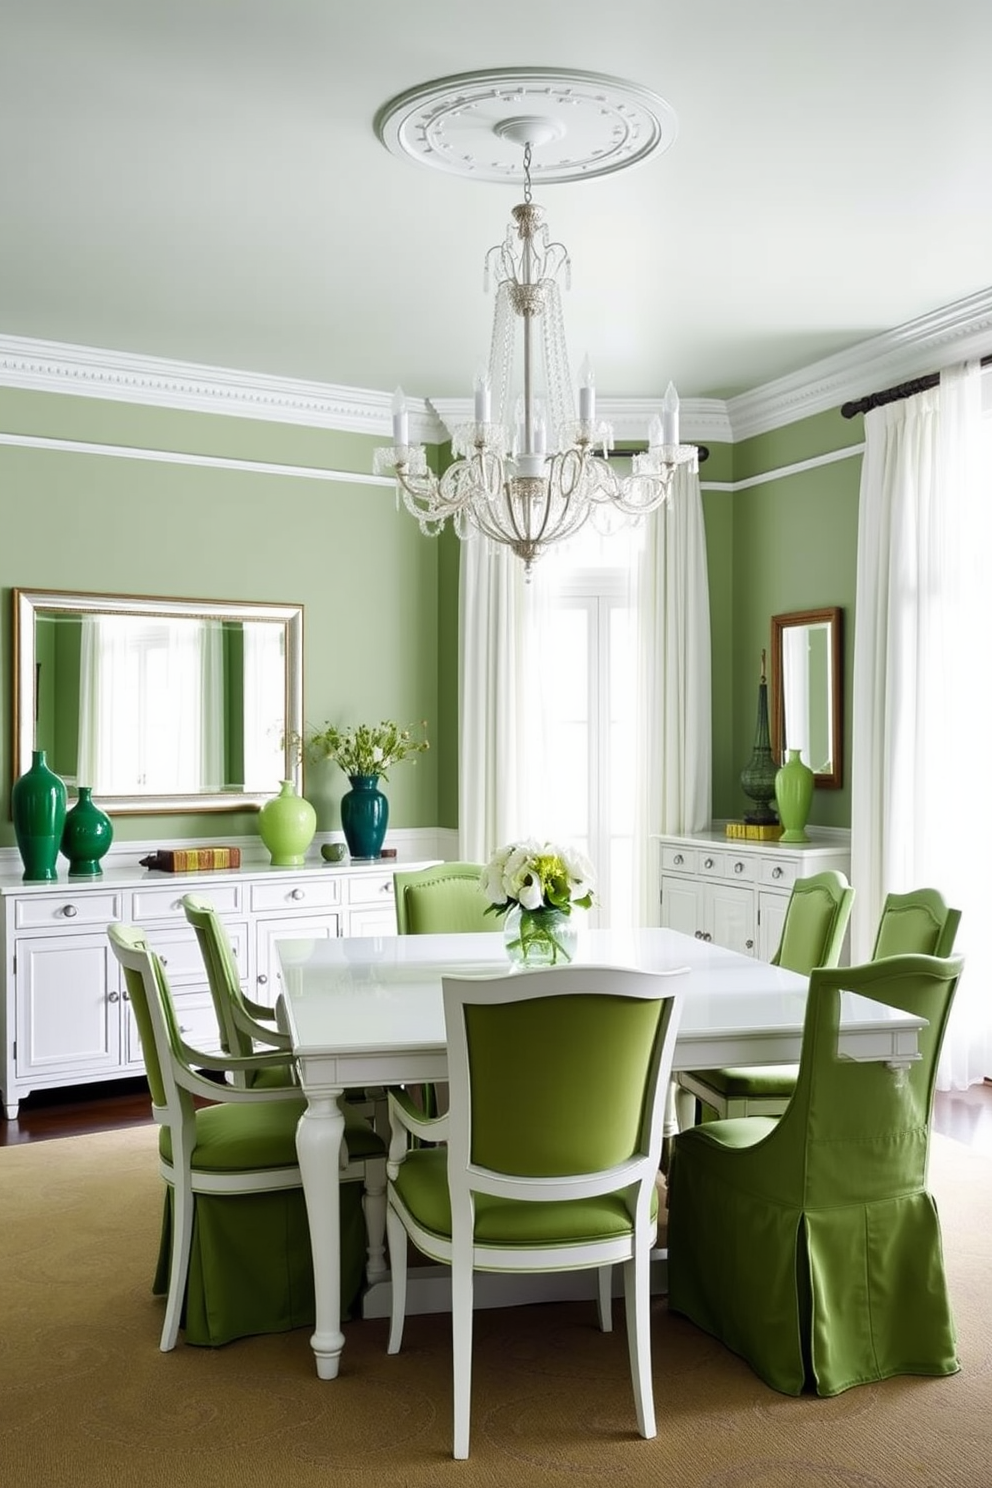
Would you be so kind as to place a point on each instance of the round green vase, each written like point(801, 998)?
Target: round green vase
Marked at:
point(286, 825)
point(86, 836)
point(38, 807)
point(794, 796)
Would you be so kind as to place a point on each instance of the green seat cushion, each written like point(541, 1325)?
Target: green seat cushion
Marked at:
point(422, 1184)
point(751, 1080)
point(239, 1137)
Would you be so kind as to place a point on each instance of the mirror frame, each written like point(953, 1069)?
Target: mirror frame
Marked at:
point(30, 602)
point(832, 616)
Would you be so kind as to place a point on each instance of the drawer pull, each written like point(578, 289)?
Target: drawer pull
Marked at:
point(262, 979)
point(298, 894)
point(749, 944)
point(678, 860)
point(738, 867)
point(113, 997)
point(69, 911)
point(700, 934)
point(177, 904)
point(387, 887)
point(776, 873)
point(708, 863)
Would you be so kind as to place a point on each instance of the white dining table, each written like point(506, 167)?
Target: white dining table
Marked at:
point(369, 1012)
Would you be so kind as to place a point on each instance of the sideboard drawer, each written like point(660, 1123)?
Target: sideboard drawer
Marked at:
point(741, 867)
point(66, 907)
point(310, 894)
point(181, 955)
point(161, 903)
point(710, 865)
point(780, 875)
point(678, 859)
point(371, 888)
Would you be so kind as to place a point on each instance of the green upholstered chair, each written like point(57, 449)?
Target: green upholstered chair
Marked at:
point(235, 1256)
point(917, 923)
point(557, 1082)
point(243, 1023)
point(810, 1244)
point(816, 921)
point(445, 899)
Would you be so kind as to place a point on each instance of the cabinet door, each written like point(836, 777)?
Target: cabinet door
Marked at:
point(682, 905)
point(730, 917)
point(292, 927)
point(771, 919)
point(68, 998)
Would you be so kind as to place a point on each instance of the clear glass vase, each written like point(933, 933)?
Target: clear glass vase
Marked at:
point(539, 937)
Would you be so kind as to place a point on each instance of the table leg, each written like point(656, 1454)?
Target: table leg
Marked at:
point(318, 1146)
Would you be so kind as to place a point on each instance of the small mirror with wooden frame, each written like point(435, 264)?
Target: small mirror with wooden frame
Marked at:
point(807, 691)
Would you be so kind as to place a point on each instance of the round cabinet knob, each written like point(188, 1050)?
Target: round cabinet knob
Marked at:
point(749, 945)
point(262, 979)
point(113, 997)
point(700, 935)
point(127, 996)
point(387, 887)
point(297, 894)
point(177, 904)
point(678, 860)
point(707, 936)
point(70, 911)
point(738, 867)
point(776, 873)
point(708, 863)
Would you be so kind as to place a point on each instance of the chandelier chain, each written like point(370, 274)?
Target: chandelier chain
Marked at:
point(528, 154)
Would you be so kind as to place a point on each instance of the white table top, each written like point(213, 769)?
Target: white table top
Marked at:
point(347, 1002)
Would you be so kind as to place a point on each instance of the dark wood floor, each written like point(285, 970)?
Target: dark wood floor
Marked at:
point(965, 1115)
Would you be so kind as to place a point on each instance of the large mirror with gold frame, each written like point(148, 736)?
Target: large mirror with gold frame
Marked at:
point(159, 705)
point(807, 691)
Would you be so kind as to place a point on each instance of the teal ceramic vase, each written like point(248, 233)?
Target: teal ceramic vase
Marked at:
point(364, 816)
point(38, 807)
point(794, 795)
point(758, 775)
point(86, 836)
point(539, 937)
point(286, 825)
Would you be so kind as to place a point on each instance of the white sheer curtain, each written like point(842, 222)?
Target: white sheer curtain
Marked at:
point(510, 635)
point(674, 735)
point(920, 814)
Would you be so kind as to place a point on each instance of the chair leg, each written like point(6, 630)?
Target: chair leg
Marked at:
point(374, 1207)
point(182, 1240)
point(461, 1347)
point(637, 1303)
point(604, 1298)
point(396, 1237)
point(685, 1108)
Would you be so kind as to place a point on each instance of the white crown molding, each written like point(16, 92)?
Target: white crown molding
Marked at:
point(93, 372)
point(700, 419)
point(952, 334)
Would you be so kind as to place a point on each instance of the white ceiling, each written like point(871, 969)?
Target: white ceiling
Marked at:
point(200, 180)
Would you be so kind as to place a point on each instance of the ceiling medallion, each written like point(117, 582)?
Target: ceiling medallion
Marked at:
point(469, 124)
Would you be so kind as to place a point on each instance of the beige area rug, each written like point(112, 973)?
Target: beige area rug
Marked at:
point(86, 1398)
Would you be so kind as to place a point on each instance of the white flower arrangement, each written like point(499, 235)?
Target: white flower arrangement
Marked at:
point(367, 749)
point(538, 877)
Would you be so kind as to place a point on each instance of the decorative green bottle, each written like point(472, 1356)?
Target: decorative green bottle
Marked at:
point(286, 825)
point(38, 807)
point(86, 836)
point(794, 795)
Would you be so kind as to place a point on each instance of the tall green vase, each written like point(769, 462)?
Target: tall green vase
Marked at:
point(38, 807)
point(286, 825)
point(86, 836)
point(794, 795)
point(364, 816)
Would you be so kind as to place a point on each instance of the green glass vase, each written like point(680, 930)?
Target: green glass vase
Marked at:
point(38, 807)
point(758, 775)
point(86, 836)
point(364, 816)
point(794, 795)
point(286, 825)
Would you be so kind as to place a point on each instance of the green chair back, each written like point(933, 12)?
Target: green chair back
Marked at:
point(445, 899)
point(223, 976)
point(918, 923)
point(816, 921)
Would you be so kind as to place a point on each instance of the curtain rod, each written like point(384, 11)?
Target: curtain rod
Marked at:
point(893, 394)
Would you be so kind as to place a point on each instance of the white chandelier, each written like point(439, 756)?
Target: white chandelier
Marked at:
point(526, 471)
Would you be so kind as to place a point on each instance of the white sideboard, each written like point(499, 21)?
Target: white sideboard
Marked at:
point(65, 1015)
point(734, 891)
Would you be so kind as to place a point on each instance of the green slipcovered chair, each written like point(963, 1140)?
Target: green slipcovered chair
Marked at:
point(235, 1256)
point(917, 923)
point(810, 1244)
point(558, 1083)
point(445, 899)
point(816, 921)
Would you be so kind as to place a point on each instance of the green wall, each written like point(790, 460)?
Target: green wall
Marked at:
point(368, 581)
point(381, 601)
